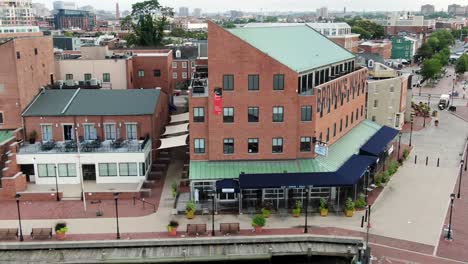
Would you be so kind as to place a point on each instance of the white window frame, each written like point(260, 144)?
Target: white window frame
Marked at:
point(184, 75)
point(174, 65)
point(133, 132)
point(106, 132)
point(184, 64)
point(45, 139)
point(92, 133)
point(174, 75)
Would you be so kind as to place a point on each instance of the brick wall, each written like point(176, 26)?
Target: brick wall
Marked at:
point(148, 64)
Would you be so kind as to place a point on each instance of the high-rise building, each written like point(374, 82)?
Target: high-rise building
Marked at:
point(457, 10)
point(427, 9)
point(322, 12)
point(16, 13)
point(63, 5)
point(117, 11)
point(197, 12)
point(183, 11)
point(74, 19)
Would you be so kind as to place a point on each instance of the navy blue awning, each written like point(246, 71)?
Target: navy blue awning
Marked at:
point(227, 184)
point(348, 174)
point(377, 143)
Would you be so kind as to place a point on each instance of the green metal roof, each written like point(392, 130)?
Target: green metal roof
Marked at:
point(300, 48)
point(4, 135)
point(338, 154)
point(94, 102)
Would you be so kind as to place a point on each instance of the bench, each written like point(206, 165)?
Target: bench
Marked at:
point(8, 233)
point(196, 229)
point(41, 233)
point(229, 228)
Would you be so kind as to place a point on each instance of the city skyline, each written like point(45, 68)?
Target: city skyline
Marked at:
point(273, 5)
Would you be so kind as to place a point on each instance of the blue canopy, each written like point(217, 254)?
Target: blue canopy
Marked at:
point(227, 184)
point(377, 143)
point(348, 174)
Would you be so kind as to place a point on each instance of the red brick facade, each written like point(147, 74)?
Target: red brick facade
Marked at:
point(28, 65)
point(394, 30)
point(230, 55)
point(12, 179)
point(382, 48)
point(181, 71)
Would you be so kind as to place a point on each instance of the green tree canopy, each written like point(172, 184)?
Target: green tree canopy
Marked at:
point(462, 64)
point(368, 28)
point(364, 34)
point(431, 68)
point(147, 22)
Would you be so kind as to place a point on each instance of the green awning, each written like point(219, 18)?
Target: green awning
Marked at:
point(338, 154)
point(4, 135)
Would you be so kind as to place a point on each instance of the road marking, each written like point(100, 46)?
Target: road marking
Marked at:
point(418, 253)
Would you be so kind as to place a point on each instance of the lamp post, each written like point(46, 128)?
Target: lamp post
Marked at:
point(453, 90)
point(116, 198)
point(213, 216)
point(459, 179)
point(399, 145)
point(449, 231)
point(306, 229)
point(18, 196)
point(411, 132)
point(56, 184)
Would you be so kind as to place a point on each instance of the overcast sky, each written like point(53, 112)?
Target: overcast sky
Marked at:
point(274, 5)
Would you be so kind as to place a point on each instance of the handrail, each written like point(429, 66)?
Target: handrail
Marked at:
point(143, 202)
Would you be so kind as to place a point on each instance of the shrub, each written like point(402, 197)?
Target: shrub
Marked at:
point(323, 203)
point(173, 224)
point(361, 201)
point(378, 181)
point(298, 205)
point(392, 168)
point(405, 154)
point(258, 220)
point(266, 212)
point(61, 227)
point(190, 206)
point(349, 205)
point(174, 188)
point(385, 176)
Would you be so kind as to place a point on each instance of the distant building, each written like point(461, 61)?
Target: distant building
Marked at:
point(407, 23)
point(16, 13)
point(19, 31)
point(183, 65)
point(63, 5)
point(183, 11)
point(427, 9)
point(117, 11)
point(457, 10)
point(197, 12)
point(322, 12)
point(403, 48)
point(66, 18)
point(235, 14)
point(381, 47)
point(67, 43)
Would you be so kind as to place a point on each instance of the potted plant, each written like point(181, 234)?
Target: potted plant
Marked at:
point(172, 227)
point(190, 209)
point(174, 189)
point(32, 137)
point(266, 210)
point(349, 207)
point(323, 207)
point(60, 230)
point(296, 211)
point(258, 222)
point(361, 201)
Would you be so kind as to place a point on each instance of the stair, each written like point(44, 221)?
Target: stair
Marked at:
point(71, 199)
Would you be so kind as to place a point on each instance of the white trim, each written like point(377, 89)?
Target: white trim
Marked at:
point(71, 100)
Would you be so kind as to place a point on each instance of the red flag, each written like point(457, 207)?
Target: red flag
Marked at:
point(218, 104)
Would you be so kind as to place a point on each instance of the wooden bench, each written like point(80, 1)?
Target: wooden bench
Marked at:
point(196, 229)
point(229, 228)
point(41, 233)
point(8, 233)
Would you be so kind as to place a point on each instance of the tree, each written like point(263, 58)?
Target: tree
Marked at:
point(271, 19)
point(367, 27)
point(443, 56)
point(431, 68)
point(147, 23)
point(462, 64)
point(228, 24)
point(425, 51)
point(363, 34)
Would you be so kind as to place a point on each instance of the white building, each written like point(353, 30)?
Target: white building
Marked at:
point(322, 12)
point(16, 13)
point(183, 11)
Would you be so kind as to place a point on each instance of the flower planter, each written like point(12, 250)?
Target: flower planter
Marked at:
point(172, 230)
point(349, 213)
point(190, 214)
point(296, 212)
point(258, 229)
point(60, 235)
point(266, 213)
point(323, 212)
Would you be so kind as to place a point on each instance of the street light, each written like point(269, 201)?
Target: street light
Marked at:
point(213, 216)
point(56, 184)
point(459, 179)
point(18, 196)
point(453, 90)
point(411, 131)
point(399, 145)
point(116, 198)
point(306, 230)
point(449, 232)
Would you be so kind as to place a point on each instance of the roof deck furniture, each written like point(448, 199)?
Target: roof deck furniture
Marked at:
point(118, 143)
point(41, 233)
point(70, 146)
point(48, 145)
point(8, 233)
point(196, 229)
point(229, 228)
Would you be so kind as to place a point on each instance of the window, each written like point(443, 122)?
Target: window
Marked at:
point(278, 114)
point(376, 103)
point(228, 146)
point(253, 114)
point(87, 76)
point(18, 55)
point(131, 131)
point(35, 51)
point(228, 82)
point(252, 145)
point(306, 113)
point(362, 110)
point(198, 114)
point(278, 82)
point(346, 125)
point(1, 118)
point(373, 118)
point(106, 77)
point(341, 124)
point(352, 117)
point(46, 132)
point(89, 132)
point(306, 145)
point(143, 169)
point(357, 113)
point(68, 76)
point(199, 145)
point(46, 170)
point(193, 64)
point(109, 131)
point(334, 130)
point(253, 82)
point(157, 73)
point(141, 73)
point(67, 170)
point(328, 135)
point(174, 65)
point(184, 75)
point(184, 64)
point(107, 169)
point(174, 75)
point(128, 169)
point(277, 146)
point(228, 115)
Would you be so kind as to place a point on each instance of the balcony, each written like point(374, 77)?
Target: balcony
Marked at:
point(86, 146)
point(199, 85)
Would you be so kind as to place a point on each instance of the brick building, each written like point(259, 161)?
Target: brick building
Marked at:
point(30, 66)
point(381, 47)
point(408, 24)
point(91, 136)
point(183, 65)
point(66, 18)
point(281, 106)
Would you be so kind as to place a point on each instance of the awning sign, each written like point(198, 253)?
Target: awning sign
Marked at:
point(321, 149)
point(228, 190)
point(390, 150)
